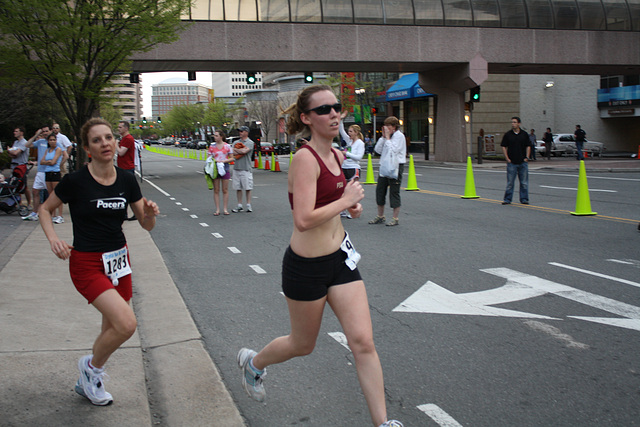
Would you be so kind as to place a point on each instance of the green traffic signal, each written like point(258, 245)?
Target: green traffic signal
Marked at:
point(251, 78)
point(475, 94)
point(308, 77)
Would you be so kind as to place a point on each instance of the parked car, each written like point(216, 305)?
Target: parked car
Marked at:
point(266, 148)
point(192, 144)
point(202, 145)
point(565, 143)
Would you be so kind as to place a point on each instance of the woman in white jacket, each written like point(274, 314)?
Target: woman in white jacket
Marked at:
point(353, 153)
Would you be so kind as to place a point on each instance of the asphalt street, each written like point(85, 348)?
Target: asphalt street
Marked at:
point(545, 333)
point(483, 314)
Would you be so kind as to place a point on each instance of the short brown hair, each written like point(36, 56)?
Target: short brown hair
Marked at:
point(392, 121)
point(84, 132)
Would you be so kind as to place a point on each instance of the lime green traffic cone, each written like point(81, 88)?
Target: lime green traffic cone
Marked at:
point(412, 183)
point(583, 203)
point(470, 184)
point(370, 177)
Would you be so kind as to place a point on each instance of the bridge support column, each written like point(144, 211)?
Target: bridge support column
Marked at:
point(450, 84)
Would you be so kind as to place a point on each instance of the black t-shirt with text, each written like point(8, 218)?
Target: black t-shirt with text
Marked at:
point(98, 211)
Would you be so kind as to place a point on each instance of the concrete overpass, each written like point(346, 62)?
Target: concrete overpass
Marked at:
point(450, 60)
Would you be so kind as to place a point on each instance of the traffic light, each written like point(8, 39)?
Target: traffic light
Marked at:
point(251, 78)
point(132, 120)
point(159, 119)
point(308, 77)
point(134, 78)
point(191, 75)
point(140, 126)
point(374, 111)
point(144, 120)
point(475, 94)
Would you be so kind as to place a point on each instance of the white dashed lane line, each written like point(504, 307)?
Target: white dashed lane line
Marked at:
point(217, 235)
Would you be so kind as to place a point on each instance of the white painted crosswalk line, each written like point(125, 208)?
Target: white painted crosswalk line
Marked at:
point(438, 415)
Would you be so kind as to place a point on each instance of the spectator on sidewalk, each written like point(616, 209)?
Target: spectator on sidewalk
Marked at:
point(532, 141)
point(548, 143)
point(19, 154)
point(392, 147)
point(51, 162)
point(353, 153)
point(126, 152)
point(98, 195)
point(66, 146)
point(222, 153)
point(242, 175)
point(39, 188)
point(516, 149)
point(580, 136)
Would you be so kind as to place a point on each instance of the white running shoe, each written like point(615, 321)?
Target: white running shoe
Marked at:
point(251, 379)
point(392, 423)
point(33, 216)
point(91, 383)
point(57, 220)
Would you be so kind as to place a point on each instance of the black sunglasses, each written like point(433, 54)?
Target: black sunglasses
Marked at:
point(325, 109)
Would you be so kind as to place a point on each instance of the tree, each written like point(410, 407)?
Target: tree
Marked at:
point(183, 118)
point(76, 47)
point(221, 114)
point(265, 111)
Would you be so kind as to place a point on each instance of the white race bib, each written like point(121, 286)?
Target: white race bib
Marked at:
point(352, 255)
point(116, 264)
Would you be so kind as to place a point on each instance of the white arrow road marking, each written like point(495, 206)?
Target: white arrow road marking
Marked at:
point(438, 415)
point(258, 269)
point(341, 338)
point(631, 312)
point(593, 273)
point(431, 298)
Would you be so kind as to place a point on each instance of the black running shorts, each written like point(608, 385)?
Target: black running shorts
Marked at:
point(309, 279)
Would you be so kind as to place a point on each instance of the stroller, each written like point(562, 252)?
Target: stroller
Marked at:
point(10, 191)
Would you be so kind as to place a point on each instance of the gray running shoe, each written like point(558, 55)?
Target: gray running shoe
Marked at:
point(92, 384)
point(251, 380)
point(33, 216)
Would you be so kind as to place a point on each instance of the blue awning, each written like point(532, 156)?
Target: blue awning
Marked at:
point(406, 87)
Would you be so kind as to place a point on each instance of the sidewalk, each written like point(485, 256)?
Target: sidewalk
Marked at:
point(161, 376)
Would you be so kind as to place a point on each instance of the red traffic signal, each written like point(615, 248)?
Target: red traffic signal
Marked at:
point(374, 111)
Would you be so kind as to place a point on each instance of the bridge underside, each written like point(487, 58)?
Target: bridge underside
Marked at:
point(450, 60)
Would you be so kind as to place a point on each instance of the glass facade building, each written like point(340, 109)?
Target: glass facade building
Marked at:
point(612, 15)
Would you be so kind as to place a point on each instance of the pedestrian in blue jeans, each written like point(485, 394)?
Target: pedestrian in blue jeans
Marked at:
point(516, 148)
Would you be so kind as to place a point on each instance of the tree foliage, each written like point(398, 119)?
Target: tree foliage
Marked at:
point(76, 47)
point(183, 118)
point(221, 114)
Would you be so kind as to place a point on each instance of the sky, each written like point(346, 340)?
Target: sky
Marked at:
point(150, 79)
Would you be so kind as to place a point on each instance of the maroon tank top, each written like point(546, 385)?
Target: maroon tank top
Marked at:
point(329, 187)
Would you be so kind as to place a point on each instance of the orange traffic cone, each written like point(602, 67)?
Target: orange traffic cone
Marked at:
point(266, 164)
point(276, 168)
point(255, 162)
